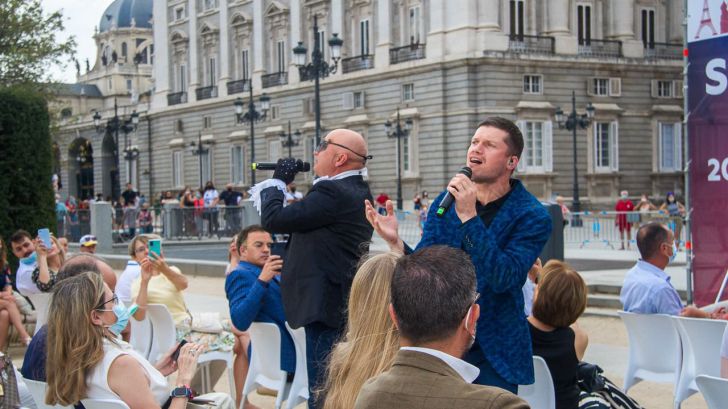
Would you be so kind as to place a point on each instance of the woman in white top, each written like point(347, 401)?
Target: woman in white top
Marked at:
point(724, 355)
point(87, 360)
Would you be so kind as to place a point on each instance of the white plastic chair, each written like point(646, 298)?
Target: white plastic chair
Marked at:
point(701, 340)
point(164, 334)
point(141, 336)
point(540, 394)
point(714, 390)
point(38, 391)
point(299, 386)
point(104, 404)
point(265, 361)
point(654, 349)
point(41, 302)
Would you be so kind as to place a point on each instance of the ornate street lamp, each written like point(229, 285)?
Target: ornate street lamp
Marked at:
point(251, 116)
point(289, 140)
point(398, 132)
point(317, 68)
point(573, 122)
point(114, 125)
point(199, 149)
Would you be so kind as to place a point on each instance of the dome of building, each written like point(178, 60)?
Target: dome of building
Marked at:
point(122, 13)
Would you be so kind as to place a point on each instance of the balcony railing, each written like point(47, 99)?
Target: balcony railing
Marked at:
point(358, 63)
point(176, 98)
point(525, 44)
point(277, 78)
point(238, 86)
point(206, 92)
point(415, 51)
point(600, 48)
point(668, 51)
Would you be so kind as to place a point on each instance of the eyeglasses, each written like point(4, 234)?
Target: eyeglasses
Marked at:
point(324, 144)
point(139, 249)
point(114, 299)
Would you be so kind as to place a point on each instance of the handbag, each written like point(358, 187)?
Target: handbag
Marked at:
point(589, 378)
point(209, 322)
point(9, 396)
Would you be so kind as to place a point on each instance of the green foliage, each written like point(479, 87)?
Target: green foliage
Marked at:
point(28, 43)
point(26, 195)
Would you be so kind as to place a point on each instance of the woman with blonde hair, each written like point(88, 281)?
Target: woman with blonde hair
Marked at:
point(49, 262)
point(371, 339)
point(87, 360)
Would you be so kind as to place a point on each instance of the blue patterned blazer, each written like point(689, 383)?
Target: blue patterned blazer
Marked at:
point(252, 301)
point(502, 254)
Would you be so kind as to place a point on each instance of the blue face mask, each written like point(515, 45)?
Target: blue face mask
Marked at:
point(122, 318)
point(30, 260)
point(674, 253)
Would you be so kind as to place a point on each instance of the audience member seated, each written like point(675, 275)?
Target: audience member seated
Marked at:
point(35, 356)
point(235, 262)
point(559, 300)
point(22, 246)
point(87, 360)
point(49, 262)
point(9, 312)
point(370, 340)
point(724, 355)
point(530, 286)
point(434, 308)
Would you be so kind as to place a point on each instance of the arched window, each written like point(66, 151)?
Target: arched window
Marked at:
point(123, 50)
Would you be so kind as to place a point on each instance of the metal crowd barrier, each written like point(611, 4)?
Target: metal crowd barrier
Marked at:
point(601, 229)
point(188, 222)
point(73, 225)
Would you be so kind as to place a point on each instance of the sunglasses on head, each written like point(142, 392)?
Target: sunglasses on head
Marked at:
point(324, 144)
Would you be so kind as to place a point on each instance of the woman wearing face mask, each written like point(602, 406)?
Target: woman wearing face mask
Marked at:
point(676, 211)
point(87, 360)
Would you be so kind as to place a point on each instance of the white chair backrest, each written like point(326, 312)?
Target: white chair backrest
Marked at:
point(38, 391)
point(714, 390)
point(41, 302)
point(141, 336)
point(103, 404)
point(265, 339)
point(164, 334)
point(299, 388)
point(701, 339)
point(541, 394)
point(646, 361)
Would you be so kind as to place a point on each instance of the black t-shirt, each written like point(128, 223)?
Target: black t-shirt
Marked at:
point(557, 349)
point(230, 197)
point(488, 212)
point(129, 196)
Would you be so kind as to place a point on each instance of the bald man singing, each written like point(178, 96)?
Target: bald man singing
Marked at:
point(329, 233)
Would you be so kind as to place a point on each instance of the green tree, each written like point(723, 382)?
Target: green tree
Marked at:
point(28, 43)
point(26, 194)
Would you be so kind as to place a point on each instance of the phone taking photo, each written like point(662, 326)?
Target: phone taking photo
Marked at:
point(45, 236)
point(175, 354)
point(155, 248)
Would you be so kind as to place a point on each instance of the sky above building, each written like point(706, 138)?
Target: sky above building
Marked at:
point(80, 17)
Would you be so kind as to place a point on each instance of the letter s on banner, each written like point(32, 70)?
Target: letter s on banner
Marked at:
point(711, 71)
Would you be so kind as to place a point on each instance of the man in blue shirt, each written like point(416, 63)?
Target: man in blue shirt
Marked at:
point(647, 288)
point(253, 289)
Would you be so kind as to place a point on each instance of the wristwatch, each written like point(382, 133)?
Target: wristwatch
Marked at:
point(183, 391)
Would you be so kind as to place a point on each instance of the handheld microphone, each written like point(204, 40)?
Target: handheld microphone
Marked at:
point(300, 166)
point(446, 201)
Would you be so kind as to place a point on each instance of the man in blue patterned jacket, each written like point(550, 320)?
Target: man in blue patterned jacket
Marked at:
point(253, 289)
point(503, 228)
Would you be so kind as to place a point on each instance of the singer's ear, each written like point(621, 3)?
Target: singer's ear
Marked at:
point(512, 162)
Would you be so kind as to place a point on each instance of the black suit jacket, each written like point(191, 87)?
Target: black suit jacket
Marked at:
point(329, 233)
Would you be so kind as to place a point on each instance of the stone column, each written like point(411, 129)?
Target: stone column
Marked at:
point(490, 33)
point(621, 26)
point(384, 34)
point(674, 20)
point(162, 57)
point(488, 15)
point(102, 225)
point(258, 25)
point(193, 63)
point(557, 21)
point(224, 49)
point(294, 36)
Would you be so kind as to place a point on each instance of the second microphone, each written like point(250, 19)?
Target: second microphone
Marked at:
point(301, 166)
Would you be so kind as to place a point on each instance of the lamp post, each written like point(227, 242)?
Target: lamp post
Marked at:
point(317, 68)
point(251, 117)
point(114, 125)
point(573, 122)
point(398, 132)
point(199, 150)
point(290, 140)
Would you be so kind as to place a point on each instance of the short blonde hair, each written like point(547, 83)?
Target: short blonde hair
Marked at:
point(560, 295)
point(142, 238)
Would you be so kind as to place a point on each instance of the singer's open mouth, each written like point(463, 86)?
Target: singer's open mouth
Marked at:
point(475, 161)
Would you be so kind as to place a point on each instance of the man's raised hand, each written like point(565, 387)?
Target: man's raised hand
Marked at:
point(385, 225)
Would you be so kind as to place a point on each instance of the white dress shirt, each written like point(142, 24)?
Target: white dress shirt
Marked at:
point(466, 371)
